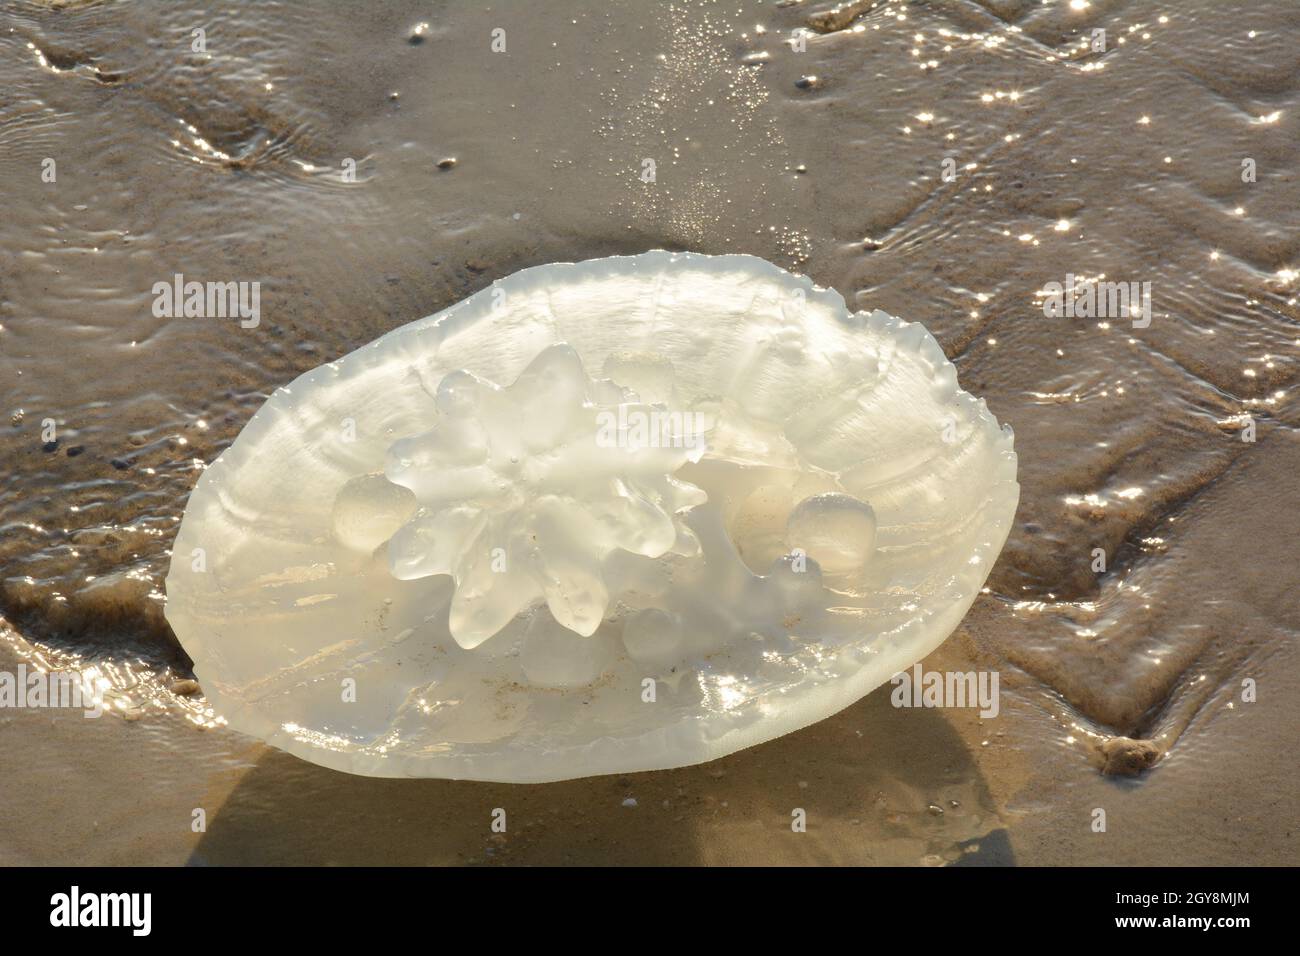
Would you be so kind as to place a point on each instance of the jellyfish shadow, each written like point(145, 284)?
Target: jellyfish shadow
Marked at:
point(873, 784)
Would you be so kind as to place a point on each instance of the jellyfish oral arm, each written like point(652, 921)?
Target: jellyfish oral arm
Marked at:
point(524, 491)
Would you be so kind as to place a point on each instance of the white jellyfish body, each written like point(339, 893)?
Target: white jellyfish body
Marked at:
point(617, 515)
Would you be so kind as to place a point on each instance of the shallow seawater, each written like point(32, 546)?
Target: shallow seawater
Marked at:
point(305, 148)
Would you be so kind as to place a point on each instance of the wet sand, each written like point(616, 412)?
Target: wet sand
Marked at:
point(226, 165)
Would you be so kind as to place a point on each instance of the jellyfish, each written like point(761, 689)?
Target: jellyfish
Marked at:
point(626, 514)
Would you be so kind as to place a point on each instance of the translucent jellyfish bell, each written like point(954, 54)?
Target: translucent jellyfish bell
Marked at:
point(617, 515)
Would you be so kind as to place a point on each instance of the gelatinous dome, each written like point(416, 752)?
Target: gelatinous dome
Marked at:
point(607, 516)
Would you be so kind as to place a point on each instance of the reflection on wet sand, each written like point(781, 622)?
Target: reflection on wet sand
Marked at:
point(882, 800)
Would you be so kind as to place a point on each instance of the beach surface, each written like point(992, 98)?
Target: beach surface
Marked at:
point(945, 161)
